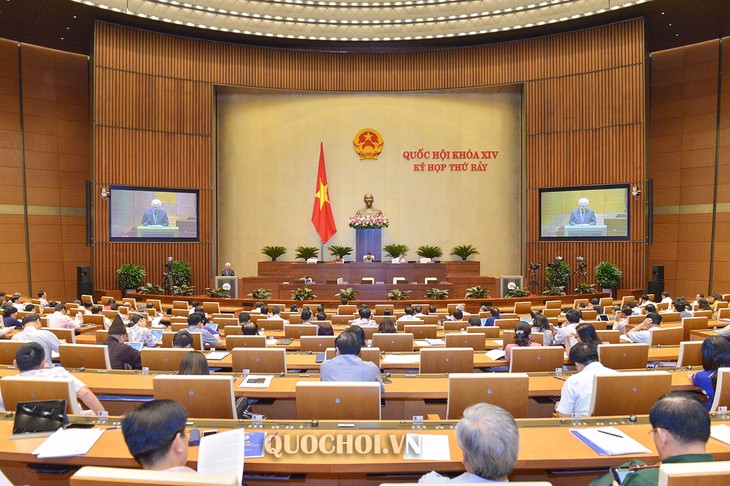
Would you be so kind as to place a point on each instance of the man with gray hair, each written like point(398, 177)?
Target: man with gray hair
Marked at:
point(582, 214)
point(155, 216)
point(489, 440)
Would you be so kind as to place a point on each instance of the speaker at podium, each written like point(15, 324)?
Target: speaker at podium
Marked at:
point(231, 289)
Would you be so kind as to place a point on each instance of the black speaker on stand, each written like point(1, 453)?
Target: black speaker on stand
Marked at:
point(84, 286)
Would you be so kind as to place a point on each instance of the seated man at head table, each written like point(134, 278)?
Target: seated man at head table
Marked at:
point(155, 436)
point(575, 396)
point(30, 359)
point(347, 365)
point(681, 428)
point(32, 332)
point(489, 440)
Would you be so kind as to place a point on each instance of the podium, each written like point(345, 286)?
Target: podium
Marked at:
point(153, 231)
point(232, 281)
point(368, 240)
point(578, 230)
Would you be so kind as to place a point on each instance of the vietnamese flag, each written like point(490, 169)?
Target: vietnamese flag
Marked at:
point(322, 218)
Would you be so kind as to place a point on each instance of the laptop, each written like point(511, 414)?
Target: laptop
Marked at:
point(157, 334)
point(38, 419)
point(137, 346)
point(212, 325)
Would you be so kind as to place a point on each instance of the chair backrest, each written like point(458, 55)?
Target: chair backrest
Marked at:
point(259, 360)
point(662, 306)
point(317, 344)
point(100, 335)
point(156, 304)
point(722, 390)
point(454, 325)
point(507, 323)
point(110, 314)
point(491, 332)
point(8, 348)
point(338, 400)
point(626, 299)
point(129, 300)
point(506, 390)
point(553, 304)
point(168, 337)
point(87, 298)
point(196, 392)
point(271, 324)
point(609, 335)
point(380, 309)
point(628, 393)
point(589, 314)
point(393, 342)
point(180, 313)
point(536, 358)
point(241, 341)
point(163, 359)
point(576, 302)
point(623, 356)
point(180, 304)
point(101, 476)
point(666, 336)
point(708, 313)
point(15, 389)
point(695, 474)
point(671, 317)
point(447, 360)
point(226, 321)
point(605, 302)
point(551, 312)
point(523, 307)
point(94, 356)
point(422, 331)
point(222, 315)
point(232, 330)
point(179, 320)
point(346, 309)
point(690, 353)
point(401, 325)
point(211, 307)
point(469, 340)
point(450, 308)
point(95, 319)
point(366, 354)
point(690, 324)
point(67, 335)
point(295, 331)
point(430, 318)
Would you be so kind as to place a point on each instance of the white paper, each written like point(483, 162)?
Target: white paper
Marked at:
point(427, 447)
point(611, 445)
point(222, 453)
point(217, 354)
point(391, 359)
point(495, 354)
point(499, 342)
point(422, 343)
point(436, 342)
point(255, 381)
point(68, 443)
point(721, 432)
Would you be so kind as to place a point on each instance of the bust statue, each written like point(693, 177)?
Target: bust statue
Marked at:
point(369, 209)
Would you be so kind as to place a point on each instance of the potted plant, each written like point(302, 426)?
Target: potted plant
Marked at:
point(303, 293)
point(183, 290)
point(395, 249)
point(149, 288)
point(347, 294)
point(261, 294)
point(437, 294)
point(517, 292)
point(306, 252)
point(180, 273)
point(130, 276)
point(585, 288)
point(219, 293)
point(428, 251)
point(340, 251)
point(608, 277)
point(273, 252)
point(464, 251)
point(554, 291)
point(397, 294)
point(557, 274)
point(477, 292)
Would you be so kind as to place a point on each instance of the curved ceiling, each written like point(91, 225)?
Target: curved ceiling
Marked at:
point(361, 20)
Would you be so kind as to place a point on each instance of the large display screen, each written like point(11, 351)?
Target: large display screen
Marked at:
point(585, 213)
point(153, 214)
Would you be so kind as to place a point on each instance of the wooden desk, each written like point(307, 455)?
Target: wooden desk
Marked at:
point(535, 460)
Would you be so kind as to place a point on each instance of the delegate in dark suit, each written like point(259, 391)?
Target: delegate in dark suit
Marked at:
point(582, 216)
point(155, 216)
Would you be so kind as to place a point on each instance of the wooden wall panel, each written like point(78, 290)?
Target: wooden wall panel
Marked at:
point(584, 109)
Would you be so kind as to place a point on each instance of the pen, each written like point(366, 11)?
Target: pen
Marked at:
point(559, 378)
point(611, 433)
point(114, 427)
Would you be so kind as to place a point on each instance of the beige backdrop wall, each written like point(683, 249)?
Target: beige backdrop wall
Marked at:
point(268, 149)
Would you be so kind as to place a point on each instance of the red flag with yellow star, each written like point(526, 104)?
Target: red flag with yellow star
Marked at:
point(322, 218)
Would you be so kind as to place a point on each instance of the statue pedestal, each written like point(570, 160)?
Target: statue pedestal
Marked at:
point(368, 241)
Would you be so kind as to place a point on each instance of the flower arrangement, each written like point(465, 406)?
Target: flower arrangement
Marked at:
point(367, 221)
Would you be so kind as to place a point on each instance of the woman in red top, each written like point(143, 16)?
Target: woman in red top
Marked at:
point(522, 338)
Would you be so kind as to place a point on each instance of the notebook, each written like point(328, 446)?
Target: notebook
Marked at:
point(39, 419)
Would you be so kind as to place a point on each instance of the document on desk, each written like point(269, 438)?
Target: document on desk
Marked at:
point(217, 354)
point(223, 453)
point(256, 381)
point(495, 354)
point(68, 443)
point(391, 359)
point(721, 432)
point(254, 445)
point(498, 342)
point(427, 447)
point(609, 441)
point(435, 342)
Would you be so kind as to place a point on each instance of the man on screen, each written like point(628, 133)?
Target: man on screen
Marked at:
point(155, 216)
point(582, 214)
